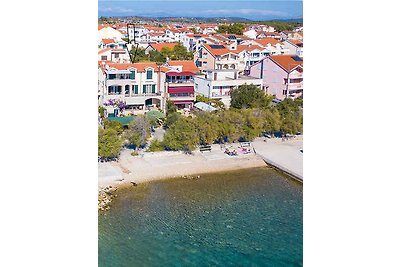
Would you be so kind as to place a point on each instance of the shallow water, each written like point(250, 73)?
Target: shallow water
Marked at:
point(241, 218)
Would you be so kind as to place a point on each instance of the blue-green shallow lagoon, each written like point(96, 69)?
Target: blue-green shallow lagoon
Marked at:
point(250, 217)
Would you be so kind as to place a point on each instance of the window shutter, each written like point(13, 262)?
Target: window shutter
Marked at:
point(132, 75)
point(144, 88)
point(136, 89)
point(149, 74)
point(153, 88)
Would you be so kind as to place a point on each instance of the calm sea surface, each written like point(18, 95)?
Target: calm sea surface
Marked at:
point(242, 218)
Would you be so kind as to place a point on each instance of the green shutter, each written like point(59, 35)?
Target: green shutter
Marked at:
point(149, 74)
point(136, 89)
point(132, 75)
point(144, 88)
point(153, 88)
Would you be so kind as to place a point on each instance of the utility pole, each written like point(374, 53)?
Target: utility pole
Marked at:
point(129, 45)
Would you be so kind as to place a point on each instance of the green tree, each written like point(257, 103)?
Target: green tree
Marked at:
point(214, 102)
point(171, 119)
point(249, 96)
point(291, 112)
point(102, 111)
point(181, 135)
point(171, 108)
point(157, 57)
point(272, 120)
point(235, 28)
point(253, 123)
point(109, 143)
point(207, 127)
point(117, 126)
point(180, 53)
point(138, 131)
point(140, 55)
point(155, 117)
point(231, 125)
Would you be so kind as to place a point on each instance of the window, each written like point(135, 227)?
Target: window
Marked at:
point(114, 90)
point(111, 76)
point(149, 74)
point(144, 88)
point(132, 75)
point(116, 55)
point(126, 90)
point(103, 57)
point(153, 88)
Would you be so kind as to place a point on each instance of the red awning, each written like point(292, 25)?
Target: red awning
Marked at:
point(183, 101)
point(183, 73)
point(180, 89)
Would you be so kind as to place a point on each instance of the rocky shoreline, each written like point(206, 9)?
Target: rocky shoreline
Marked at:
point(105, 197)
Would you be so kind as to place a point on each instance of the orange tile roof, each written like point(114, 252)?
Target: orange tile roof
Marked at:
point(108, 41)
point(286, 61)
point(218, 52)
point(103, 50)
point(241, 48)
point(160, 46)
point(140, 67)
point(267, 40)
point(187, 65)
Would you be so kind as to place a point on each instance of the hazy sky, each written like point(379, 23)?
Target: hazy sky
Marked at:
point(253, 9)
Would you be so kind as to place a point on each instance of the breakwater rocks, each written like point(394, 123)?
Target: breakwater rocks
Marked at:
point(105, 197)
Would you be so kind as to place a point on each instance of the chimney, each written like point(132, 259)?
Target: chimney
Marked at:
point(233, 46)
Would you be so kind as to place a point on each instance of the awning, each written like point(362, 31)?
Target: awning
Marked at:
point(183, 101)
point(183, 73)
point(180, 89)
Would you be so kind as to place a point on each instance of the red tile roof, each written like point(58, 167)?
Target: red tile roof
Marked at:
point(218, 51)
point(268, 40)
point(286, 61)
point(108, 41)
point(103, 50)
point(140, 67)
point(160, 46)
point(187, 65)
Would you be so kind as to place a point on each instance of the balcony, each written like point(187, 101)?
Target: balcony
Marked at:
point(294, 86)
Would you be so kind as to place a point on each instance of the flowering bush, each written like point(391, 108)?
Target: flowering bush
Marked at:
point(116, 103)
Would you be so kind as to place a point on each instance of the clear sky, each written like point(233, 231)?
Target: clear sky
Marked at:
point(253, 9)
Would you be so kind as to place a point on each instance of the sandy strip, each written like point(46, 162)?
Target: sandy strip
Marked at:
point(162, 165)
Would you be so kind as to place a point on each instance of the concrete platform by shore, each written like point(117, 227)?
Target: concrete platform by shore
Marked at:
point(284, 155)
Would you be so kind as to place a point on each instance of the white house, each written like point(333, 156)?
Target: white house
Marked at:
point(135, 84)
point(107, 32)
point(218, 84)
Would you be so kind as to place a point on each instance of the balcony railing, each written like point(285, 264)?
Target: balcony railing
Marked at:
point(295, 86)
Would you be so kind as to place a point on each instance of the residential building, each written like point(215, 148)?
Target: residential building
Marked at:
point(282, 75)
point(138, 85)
point(292, 35)
point(294, 47)
point(107, 32)
point(179, 82)
point(217, 57)
point(117, 55)
point(218, 84)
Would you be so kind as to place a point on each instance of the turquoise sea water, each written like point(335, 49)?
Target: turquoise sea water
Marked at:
point(242, 218)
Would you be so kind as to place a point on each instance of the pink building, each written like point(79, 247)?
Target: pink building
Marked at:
point(282, 75)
